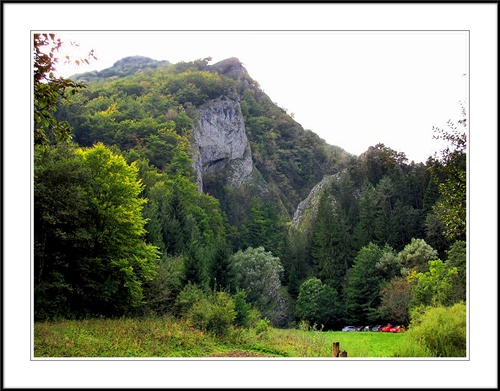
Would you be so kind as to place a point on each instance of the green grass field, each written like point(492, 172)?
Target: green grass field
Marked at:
point(166, 337)
point(367, 344)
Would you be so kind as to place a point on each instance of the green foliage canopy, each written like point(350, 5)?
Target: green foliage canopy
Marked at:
point(259, 274)
point(416, 255)
point(90, 253)
point(435, 287)
point(93, 224)
point(317, 303)
point(450, 172)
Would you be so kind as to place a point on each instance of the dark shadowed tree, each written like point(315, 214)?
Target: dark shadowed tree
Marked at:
point(363, 286)
point(457, 258)
point(220, 273)
point(331, 242)
point(196, 265)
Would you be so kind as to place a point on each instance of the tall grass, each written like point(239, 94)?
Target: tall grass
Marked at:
point(151, 337)
point(169, 337)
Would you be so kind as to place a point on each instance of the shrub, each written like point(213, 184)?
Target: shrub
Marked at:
point(262, 326)
point(304, 325)
point(221, 314)
point(190, 295)
point(254, 317)
point(440, 330)
point(242, 309)
point(197, 315)
point(214, 313)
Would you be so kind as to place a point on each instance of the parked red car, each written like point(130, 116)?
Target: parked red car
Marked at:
point(393, 329)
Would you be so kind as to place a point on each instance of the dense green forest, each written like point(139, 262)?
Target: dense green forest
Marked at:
point(126, 224)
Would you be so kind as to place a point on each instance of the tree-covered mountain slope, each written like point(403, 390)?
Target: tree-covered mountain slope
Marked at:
point(184, 190)
point(246, 150)
point(125, 67)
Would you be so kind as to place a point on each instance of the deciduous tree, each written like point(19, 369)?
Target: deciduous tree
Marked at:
point(317, 303)
point(259, 274)
point(395, 300)
point(450, 172)
point(49, 90)
point(89, 233)
point(416, 255)
point(435, 287)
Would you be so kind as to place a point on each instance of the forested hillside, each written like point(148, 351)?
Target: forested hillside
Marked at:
point(183, 189)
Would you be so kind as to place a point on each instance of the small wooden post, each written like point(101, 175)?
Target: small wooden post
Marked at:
point(336, 349)
point(337, 352)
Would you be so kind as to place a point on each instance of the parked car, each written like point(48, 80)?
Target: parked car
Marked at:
point(377, 328)
point(387, 328)
point(398, 329)
point(359, 328)
point(368, 328)
point(349, 328)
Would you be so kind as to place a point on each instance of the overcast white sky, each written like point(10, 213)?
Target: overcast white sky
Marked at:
point(353, 88)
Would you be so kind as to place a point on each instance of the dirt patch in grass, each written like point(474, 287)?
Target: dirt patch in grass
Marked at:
point(240, 353)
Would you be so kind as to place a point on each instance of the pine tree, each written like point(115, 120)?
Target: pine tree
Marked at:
point(220, 278)
point(195, 265)
point(363, 287)
point(331, 245)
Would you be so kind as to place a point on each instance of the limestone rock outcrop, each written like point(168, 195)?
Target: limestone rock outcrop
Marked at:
point(307, 209)
point(220, 142)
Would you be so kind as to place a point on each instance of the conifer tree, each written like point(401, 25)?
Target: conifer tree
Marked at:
point(220, 274)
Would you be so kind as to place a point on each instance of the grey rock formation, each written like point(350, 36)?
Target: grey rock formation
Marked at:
point(220, 142)
point(307, 209)
point(230, 67)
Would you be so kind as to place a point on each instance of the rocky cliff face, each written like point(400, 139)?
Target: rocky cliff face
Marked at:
point(307, 209)
point(220, 142)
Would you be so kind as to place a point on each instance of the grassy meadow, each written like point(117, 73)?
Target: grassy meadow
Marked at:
point(168, 337)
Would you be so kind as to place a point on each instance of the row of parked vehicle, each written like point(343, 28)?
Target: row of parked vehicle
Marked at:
point(389, 328)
